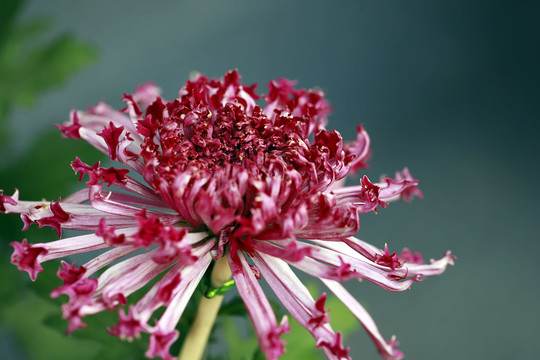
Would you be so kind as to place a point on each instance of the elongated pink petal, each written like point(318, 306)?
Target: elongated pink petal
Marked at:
point(28, 257)
point(112, 204)
point(404, 268)
point(164, 334)
point(174, 281)
point(328, 264)
point(259, 309)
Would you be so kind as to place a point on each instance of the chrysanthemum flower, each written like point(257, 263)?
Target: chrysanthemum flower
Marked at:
point(224, 178)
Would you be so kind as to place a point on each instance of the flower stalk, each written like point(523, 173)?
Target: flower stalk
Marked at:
point(197, 337)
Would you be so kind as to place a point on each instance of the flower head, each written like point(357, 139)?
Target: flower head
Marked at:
point(222, 176)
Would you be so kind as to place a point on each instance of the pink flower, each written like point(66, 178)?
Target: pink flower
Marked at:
point(219, 175)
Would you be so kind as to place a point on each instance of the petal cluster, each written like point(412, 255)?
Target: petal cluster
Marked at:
point(219, 172)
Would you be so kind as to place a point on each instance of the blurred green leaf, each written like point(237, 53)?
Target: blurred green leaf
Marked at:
point(8, 12)
point(234, 307)
point(28, 65)
point(241, 348)
point(45, 66)
point(25, 318)
point(11, 280)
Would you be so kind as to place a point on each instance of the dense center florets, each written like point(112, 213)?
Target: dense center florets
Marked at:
point(221, 160)
point(203, 140)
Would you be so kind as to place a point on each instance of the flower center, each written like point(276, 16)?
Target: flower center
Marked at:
point(202, 140)
point(220, 160)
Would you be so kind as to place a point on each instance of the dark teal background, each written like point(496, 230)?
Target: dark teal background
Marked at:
point(449, 89)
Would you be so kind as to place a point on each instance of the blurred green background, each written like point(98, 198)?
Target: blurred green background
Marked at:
point(448, 89)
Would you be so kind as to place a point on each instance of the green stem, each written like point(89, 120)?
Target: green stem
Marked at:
point(197, 337)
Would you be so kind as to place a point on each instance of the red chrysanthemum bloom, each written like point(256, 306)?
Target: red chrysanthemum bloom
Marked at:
point(225, 177)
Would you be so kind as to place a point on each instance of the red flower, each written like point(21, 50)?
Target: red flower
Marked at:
point(223, 176)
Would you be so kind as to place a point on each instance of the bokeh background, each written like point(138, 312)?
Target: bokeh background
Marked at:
point(449, 89)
